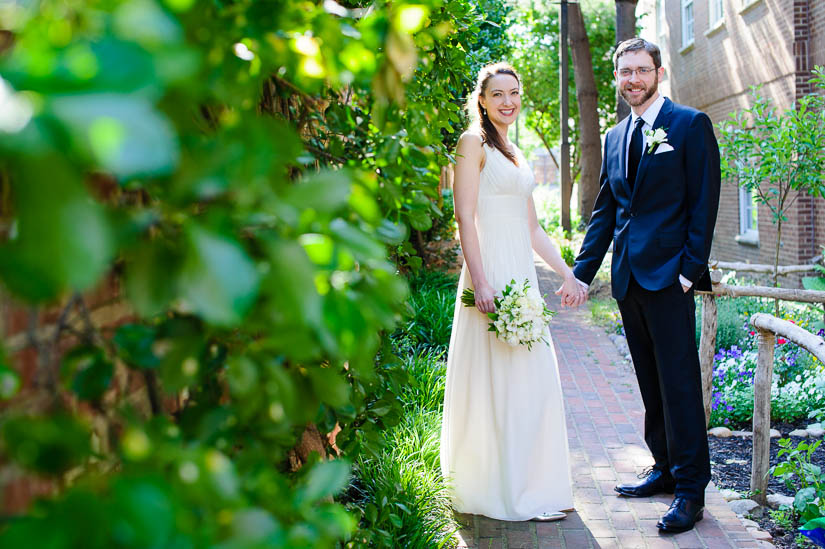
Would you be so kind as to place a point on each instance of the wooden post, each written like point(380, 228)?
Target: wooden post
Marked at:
point(707, 349)
point(762, 417)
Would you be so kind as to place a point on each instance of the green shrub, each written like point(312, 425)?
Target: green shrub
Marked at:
point(400, 493)
point(567, 254)
point(432, 304)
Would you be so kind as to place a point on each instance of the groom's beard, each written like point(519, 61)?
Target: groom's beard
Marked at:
point(640, 100)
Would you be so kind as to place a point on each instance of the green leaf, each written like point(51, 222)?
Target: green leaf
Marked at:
point(814, 283)
point(124, 135)
point(143, 511)
point(87, 372)
point(143, 21)
point(325, 192)
point(242, 376)
point(325, 479)
point(219, 279)
point(64, 239)
point(149, 279)
point(49, 445)
point(9, 378)
point(420, 219)
point(330, 385)
point(134, 344)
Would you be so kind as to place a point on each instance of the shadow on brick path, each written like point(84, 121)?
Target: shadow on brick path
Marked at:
point(605, 420)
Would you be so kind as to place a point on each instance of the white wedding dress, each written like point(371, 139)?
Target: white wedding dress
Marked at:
point(504, 449)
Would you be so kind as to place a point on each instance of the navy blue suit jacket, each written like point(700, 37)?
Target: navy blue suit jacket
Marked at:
point(664, 227)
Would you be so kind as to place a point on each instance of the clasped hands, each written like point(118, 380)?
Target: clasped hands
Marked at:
point(572, 292)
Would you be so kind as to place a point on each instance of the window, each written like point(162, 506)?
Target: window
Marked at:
point(661, 21)
point(717, 12)
point(687, 23)
point(748, 228)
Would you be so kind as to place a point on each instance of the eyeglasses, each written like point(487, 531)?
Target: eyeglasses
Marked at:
point(643, 71)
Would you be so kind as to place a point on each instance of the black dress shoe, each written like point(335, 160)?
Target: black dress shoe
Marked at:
point(681, 517)
point(655, 482)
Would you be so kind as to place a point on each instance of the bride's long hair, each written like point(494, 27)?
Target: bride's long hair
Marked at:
point(478, 116)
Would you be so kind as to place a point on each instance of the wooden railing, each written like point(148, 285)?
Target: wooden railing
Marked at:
point(768, 327)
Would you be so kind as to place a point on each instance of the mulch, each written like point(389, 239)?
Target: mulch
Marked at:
point(731, 468)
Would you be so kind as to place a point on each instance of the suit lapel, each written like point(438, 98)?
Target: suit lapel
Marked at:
point(622, 127)
point(662, 120)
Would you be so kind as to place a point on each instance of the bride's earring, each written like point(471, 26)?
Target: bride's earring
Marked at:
point(484, 111)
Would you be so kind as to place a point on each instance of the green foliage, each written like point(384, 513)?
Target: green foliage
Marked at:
point(774, 155)
point(567, 254)
point(548, 211)
point(798, 473)
point(536, 57)
point(432, 299)
point(244, 168)
point(399, 492)
point(407, 474)
point(732, 319)
point(782, 517)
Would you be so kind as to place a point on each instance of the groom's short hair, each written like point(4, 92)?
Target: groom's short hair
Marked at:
point(636, 44)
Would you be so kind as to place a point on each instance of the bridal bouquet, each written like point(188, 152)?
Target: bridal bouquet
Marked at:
point(520, 318)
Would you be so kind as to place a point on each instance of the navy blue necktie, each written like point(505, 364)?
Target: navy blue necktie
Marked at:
point(635, 154)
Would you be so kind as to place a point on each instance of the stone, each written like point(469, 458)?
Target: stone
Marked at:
point(775, 501)
point(798, 433)
point(730, 495)
point(760, 534)
point(775, 433)
point(721, 432)
point(743, 434)
point(750, 523)
point(743, 506)
point(815, 431)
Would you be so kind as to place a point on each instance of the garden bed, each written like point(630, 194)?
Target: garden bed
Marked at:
point(731, 468)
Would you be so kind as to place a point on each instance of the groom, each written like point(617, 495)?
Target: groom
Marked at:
point(659, 194)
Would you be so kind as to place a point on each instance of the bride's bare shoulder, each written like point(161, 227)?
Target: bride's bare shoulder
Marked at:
point(470, 139)
point(469, 146)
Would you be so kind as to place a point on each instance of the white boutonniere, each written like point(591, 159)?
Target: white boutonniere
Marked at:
point(655, 138)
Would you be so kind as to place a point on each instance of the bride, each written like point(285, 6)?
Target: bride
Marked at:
point(504, 439)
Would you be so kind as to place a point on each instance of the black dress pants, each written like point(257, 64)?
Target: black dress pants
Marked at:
point(660, 328)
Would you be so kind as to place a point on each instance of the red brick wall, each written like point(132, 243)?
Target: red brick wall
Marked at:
point(774, 43)
point(106, 311)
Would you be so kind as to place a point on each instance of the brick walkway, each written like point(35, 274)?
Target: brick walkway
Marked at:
point(605, 430)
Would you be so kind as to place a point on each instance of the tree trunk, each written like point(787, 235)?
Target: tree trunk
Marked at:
point(776, 263)
point(625, 28)
point(587, 96)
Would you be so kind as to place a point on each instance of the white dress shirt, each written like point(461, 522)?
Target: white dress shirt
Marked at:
point(649, 117)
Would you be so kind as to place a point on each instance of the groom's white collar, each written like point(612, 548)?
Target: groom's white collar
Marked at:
point(649, 116)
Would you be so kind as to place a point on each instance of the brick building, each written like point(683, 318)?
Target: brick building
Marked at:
point(544, 168)
point(713, 51)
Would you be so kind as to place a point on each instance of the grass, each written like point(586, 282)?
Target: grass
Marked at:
point(605, 312)
point(403, 499)
point(432, 301)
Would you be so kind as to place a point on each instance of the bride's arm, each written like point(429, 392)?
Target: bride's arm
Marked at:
point(571, 291)
point(465, 189)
